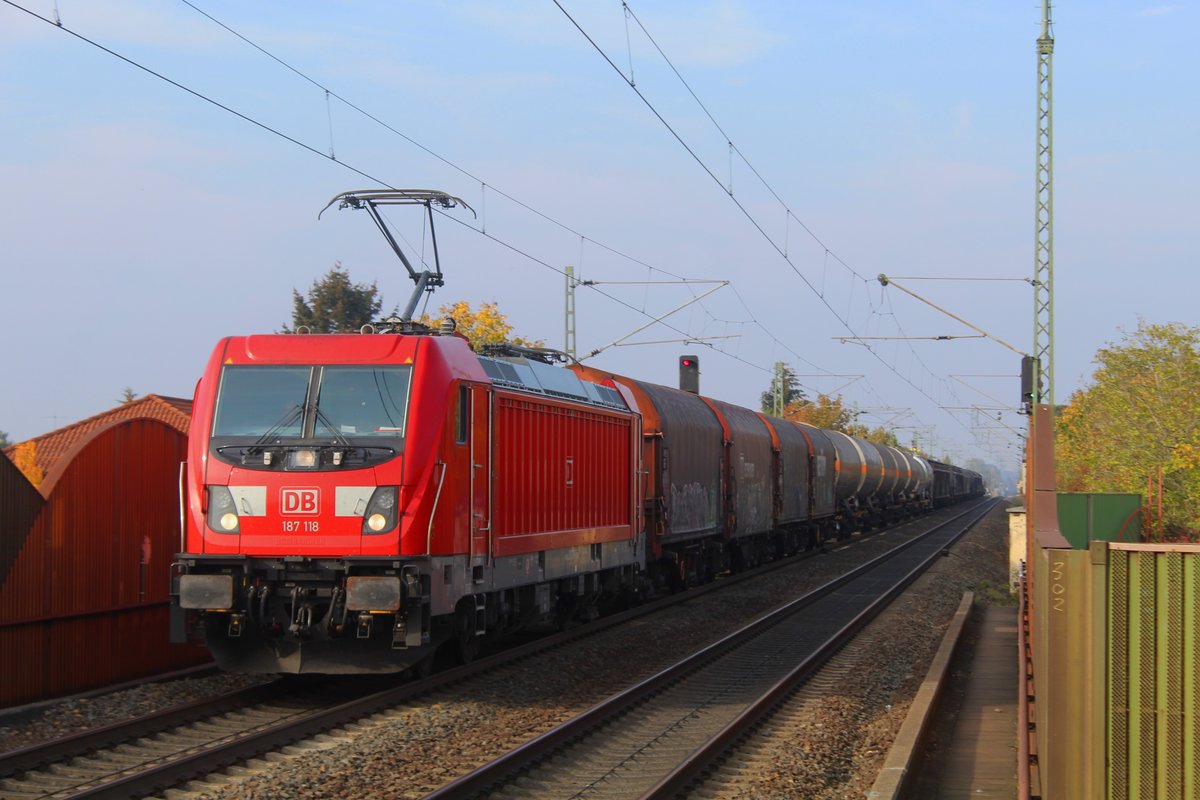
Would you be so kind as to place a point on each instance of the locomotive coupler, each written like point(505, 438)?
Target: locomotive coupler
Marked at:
point(235, 625)
point(302, 611)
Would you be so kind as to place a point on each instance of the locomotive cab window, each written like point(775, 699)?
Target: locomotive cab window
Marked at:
point(255, 401)
point(362, 401)
point(463, 415)
point(311, 403)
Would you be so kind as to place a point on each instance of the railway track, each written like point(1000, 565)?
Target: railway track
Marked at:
point(656, 738)
point(149, 754)
point(129, 758)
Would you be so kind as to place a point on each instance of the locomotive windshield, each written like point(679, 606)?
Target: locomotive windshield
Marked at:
point(312, 402)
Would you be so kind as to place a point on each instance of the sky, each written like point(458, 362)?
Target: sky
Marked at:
point(795, 150)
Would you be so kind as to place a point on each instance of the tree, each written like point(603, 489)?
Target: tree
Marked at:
point(1140, 414)
point(879, 434)
point(785, 383)
point(4, 442)
point(827, 412)
point(128, 395)
point(335, 304)
point(25, 457)
point(484, 325)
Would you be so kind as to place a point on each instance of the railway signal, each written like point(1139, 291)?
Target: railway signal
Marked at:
point(689, 374)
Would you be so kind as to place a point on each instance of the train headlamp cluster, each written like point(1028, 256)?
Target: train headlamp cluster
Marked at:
point(222, 512)
point(302, 458)
point(380, 515)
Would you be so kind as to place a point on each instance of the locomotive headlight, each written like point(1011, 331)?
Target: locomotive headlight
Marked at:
point(380, 514)
point(222, 514)
point(302, 459)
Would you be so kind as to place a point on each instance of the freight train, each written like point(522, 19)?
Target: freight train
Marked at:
point(351, 503)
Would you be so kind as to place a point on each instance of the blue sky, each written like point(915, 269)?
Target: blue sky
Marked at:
point(140, 224)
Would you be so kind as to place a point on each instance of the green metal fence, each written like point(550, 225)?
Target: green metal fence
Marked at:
point(1153, 742)
point(1115, 655)
point(1099, 517)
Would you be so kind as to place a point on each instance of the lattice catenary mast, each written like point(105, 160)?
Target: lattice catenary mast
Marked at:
point(1043, 267)
point(569, 333)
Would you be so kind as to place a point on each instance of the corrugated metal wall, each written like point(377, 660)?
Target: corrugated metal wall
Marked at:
point(84, 601)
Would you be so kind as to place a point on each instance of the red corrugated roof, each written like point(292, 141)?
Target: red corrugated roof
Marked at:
point(174, 411)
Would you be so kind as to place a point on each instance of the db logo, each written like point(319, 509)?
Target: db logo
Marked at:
point(299, 501)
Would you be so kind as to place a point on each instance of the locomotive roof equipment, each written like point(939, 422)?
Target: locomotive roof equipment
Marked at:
point(371, 199)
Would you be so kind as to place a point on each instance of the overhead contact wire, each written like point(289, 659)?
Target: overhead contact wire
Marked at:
point(195, 93)
point(484, 185)
point(845, 323)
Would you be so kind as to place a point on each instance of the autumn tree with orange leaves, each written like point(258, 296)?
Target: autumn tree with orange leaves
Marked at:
point(832, 414)
point(24, 456)
point(482, 325)
point(824, 412)
point(1140, 414)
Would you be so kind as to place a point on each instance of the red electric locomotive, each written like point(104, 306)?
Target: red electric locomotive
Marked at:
point(355, 500)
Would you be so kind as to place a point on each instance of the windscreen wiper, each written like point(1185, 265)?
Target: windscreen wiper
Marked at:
point(337, 434)
point(288, 418)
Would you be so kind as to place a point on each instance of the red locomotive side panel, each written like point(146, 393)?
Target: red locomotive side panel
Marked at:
point(562, 475)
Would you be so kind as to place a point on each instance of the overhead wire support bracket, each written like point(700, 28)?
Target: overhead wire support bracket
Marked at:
point(1030, 281)
point(884, 280)
point(687, 340)
point(941, 338)
point(370, 199)
point(656, 320)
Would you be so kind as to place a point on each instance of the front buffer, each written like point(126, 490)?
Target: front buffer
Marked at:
point(305, 615)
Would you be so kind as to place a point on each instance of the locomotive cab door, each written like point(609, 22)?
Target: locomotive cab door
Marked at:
point(481, 478)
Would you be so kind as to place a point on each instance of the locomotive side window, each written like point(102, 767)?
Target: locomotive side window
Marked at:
point(363, 401)
point(461, 419)
point(254, 400)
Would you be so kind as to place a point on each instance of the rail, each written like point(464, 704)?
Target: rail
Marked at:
point(521, 759)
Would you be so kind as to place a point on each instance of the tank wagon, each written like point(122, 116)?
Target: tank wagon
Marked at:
point(353, 502)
